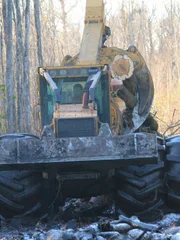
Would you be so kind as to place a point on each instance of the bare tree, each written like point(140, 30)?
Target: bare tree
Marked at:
point(158, 39)
point(19, 65)
point(26, 95)
point(2, 65)
point(38, 31)
point(7, 20)
point(131, 20)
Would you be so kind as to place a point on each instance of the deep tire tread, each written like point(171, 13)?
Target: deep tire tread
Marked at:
point(20, 191)
point(140, 187)
point(172, 168)
point(24, 196)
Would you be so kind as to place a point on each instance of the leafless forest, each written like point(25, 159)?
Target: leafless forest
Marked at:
point(42, 32)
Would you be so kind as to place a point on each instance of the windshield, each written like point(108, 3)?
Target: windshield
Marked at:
point(71, 91)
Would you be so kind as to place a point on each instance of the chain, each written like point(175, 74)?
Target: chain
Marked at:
point(59, 189)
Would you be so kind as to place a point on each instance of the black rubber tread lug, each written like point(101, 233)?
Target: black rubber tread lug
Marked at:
point(172, 179)
point(135, 181)
point(170, 176)
point(140, 187)
point(145, 169)
point(11, 184)
point(159, 204)
point(19, 190)
point(174, 197)
point(141, 194)
point(134, 202)
point(30, 211)
point(24, 174)
point(27, 193)
point(17, 201)
point(131, 200)
point(10, 204)
point(130, 178)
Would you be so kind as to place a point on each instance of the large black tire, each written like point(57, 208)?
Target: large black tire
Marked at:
point(20, 191)
point(172, 166)
point(140, 189)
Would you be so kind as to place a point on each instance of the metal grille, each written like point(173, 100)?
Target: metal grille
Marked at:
point(77, 127)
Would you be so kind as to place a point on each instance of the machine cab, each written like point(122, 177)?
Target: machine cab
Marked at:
point(62, 105)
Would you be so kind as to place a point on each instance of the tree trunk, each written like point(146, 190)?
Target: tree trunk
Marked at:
point(38, 31)
point(131, 27)
point(64, 22)
point(19, 64)
point(26, 93)
point(2, 67)
point(3, 119)
point(7, 19)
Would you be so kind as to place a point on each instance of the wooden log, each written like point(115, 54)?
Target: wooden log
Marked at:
point(127, 97)
point(122, 67)
point(135, 222)
point(120, 227)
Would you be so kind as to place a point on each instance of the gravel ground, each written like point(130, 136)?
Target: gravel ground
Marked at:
point(90, 220)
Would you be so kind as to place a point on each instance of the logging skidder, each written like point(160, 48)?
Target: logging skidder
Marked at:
point(92, 111)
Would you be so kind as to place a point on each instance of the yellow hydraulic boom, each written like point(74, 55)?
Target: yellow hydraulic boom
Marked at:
point(93, 33)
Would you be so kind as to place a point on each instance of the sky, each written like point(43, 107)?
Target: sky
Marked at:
point(111, 5)
point(150, 3)
point(77, 9)
point(76, 15)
